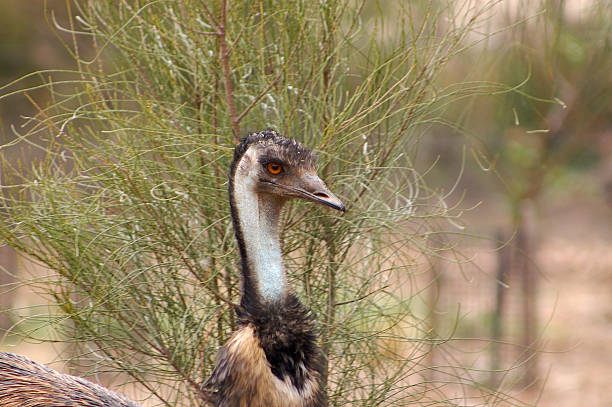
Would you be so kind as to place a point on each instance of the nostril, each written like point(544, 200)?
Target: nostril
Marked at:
point(321, 195)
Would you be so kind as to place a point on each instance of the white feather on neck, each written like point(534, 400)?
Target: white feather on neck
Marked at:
point(258, 215)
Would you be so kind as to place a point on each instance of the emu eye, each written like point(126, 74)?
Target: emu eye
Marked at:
point(274, 168)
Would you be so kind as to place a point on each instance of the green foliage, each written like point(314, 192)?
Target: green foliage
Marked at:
point(559, 110)
point(128, 205)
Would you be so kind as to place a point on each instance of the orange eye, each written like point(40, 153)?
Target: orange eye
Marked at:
point(274, 168)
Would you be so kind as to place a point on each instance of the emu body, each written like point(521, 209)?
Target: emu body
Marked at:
point(273, 359)
point(25, 383)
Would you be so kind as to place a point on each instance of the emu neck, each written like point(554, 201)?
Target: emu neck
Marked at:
point(256, 218)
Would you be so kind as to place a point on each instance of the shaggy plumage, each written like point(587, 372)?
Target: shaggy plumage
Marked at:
point(25, 383)
point(273, 359)
point(286, 365)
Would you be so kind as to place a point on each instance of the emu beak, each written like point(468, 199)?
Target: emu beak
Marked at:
point(314, 189)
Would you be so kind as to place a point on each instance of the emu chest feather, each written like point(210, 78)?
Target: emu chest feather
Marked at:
point(244, 377)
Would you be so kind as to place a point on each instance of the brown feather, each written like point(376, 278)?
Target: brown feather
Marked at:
point(25, 383)
point(244, 377)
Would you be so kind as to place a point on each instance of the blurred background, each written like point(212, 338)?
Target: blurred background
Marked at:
point(531, 164)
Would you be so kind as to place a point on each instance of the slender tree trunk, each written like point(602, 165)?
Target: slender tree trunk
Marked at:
point(504, 266)
point(525, 257)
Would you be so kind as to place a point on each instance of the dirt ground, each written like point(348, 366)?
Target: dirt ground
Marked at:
point(579, 334)
point(576, 262)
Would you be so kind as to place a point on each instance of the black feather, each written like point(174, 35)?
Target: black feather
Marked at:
point(287, 334)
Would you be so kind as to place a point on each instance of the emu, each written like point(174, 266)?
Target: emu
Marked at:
point(273, 359)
